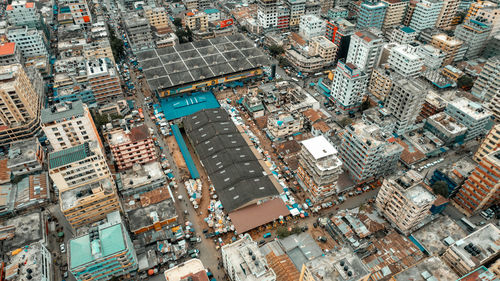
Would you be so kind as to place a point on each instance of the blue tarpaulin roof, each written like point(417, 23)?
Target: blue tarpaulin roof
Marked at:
point(185, 152)
point(177, 107)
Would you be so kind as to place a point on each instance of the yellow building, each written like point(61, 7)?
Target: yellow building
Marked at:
point(380, 82)
point(452, 72)
point(320, 46)
point(447, 14)
point(490, 143)
point(158, 18)
point(395, 12)
point(475, 8)
point(448, 45)
point(196, 20)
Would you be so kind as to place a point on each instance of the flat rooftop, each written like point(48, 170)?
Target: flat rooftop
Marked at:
point(338, 265)
point(69, 155)
point(31, 256)
point(433, 235)
point(473, 109)
point(201, 60)
point(135, 134)
point(72, 197)
point(319, 147)
point(485, 240)
point(447, 123)
point(426, 269)
point(21, 152)
point(62, 112)
point(191, 268)
point(141, 175)
point(28, 229)
point(301, 248)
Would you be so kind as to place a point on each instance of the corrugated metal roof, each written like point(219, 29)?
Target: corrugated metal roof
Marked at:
point(70, 155)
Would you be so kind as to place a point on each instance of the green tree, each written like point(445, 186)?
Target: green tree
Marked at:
point(441, 188)
point(100, 119)
point(282, 61)
point(465, 82)
point(345, 121)
point(276, 50)
point(178, 23)
point(244, 29)
point(117, 46)
point(282, 232)
point(365, 105)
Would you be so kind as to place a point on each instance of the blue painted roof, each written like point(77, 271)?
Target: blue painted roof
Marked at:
point(211, 11)
point(407, 29)
point(177, 107)
point(185, 152)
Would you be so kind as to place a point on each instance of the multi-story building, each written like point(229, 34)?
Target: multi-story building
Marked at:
point(446, 128)
point(98, 45)
point(21, 93)
point(319, 168)
point(453, 174)
point(68, 124)
point(267, 13)
point(39, 260)
point(487, 84)
point(447, 14)
point(31, 42)
point(475, 8)
point(191, 4)
point(433, 57)
point(10, 54)
point(433, 104)
point(157, 18)
point(405, 60)
point(284, 124)
point(371, 14)
point(403, 35)
point(196, 20)
point(244, 261)
point(473, 251)
point(105, 251)
point(131, 147)
point(474, 32)
point(381, 82)
point(23, 13)
point(404, 102)
point(494, 105)
point(405, 200)
point(395, 12)
point(425, 14)
point(367, 153)
point(303, 62)
point(320, 46)
point(313, 8)
point(364, 50)
point(79, 11)
point(449, 45)
point(488, 11)
point(25, 157)
point(311, 26)
point(139, 33)
point(472, 115)
point(192, 268)
point(337, 13)
point(283, 21)
point(348, 87)
point(339, 32)
point(490, 144)
point(482, 188)
point(104, 81)
point(296, 8)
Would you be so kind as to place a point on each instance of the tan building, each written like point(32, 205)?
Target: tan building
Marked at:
point(131, 147)
point(405, 200)
point(394, 13)
point(447, 14)
point(320, 46)
point(104, 81)
point(284, 124)
point(490, 144)
point(196, 20)
point(447, 44)
point(158, 19)
point(480, 247)
point(98, 49)
point(21, 92)
point(304, 63)
point(381, 82)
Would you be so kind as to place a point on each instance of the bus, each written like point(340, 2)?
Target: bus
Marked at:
point(470, 226)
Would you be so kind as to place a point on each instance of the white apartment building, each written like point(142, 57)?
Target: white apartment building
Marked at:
point(405, 60)
point(403, 35)
point(348, 86)
point(69, 124)
point(487, 84)
point(447, 14)
point(22, 13)
point(244, 261)
point(433, 57)
point(405, 201)
point(30, 41)
point(267, 13)
point(364, 50)
point(425, 14)
point(395, 12)
point(79, 11)
point(296, 8)
point(405, 102)
point(472, 115)
point(311, 26)
point(474, 33)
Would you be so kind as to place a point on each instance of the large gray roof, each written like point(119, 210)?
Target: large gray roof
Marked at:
point(194, 61)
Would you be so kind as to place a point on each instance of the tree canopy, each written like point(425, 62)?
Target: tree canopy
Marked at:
point(441, 188)
point(465, 82)
point(276, 50)
point(345, 121)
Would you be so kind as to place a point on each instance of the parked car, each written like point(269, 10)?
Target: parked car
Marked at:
point(63, 248)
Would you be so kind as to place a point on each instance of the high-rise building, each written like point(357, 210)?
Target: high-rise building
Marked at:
point(488, 11)
point(23, 13)
point(21, 93)
point(106, 250)
point(425, 14)
point(405, 200)
point(10, 54)
point(337, 13)
point(296, 8)
point(447, 14)
point(31, 42)
point(196, 20)
point(319, 168)
point(404, 102)
point(487, 84)
point(490, 144)
point(367, 152)
point(449, 45)
point(405, 60)
point(283, 21)
point(474, 32)
point(381, 82)
point(158, 18)
point(348, 87)
point(494, 105)
point(139, 33)
point(104, 81)
point(472, 115)
point(311, 26)
point(395, 12)
point(267, 13)
point(403, 35)
point(339, 32)
point(432, 56)
point(371, 14)
point(364, 50)
point(69, 124)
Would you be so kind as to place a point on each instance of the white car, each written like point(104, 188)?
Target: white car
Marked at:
point(63, 248)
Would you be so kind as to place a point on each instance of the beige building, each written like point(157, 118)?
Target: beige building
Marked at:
point(488, 11)
point(394, 13)
point(98, 49)
point(490, 144)
point(158, 18)
point(69, 124)
point(196, 20)
point(320, 46)
point(21, 93)
point(405, 201)
point(284, 124)
point(447, 14)
point(480, 247)
point(449, 45)
point(381, 82)
point(304, 63)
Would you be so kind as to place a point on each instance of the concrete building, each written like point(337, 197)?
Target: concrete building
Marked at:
point(337, 13)
point(404, 102)
point(23, 13)
point(25, 157)
point(472, 115)
point(322, 47)
point(482, 188)
point(488, 11)
point(196, 20)
point(283, 21)
point(339, 32)
point(364, 50)
point(433, 104)
point(433, 57)
point(38, 260)
point(31, 42)
point(426, 14)
point(348, 87)
point(21, 93)
point(381, 82)
point(141, 178)
point(69, 124)
point(10, 54)
point(449, 45)
point(475, 250)
point(371, 14)
point(79, 11)
point(490, 144)
point(319, 168)
point(243, 261)
point(406, 60)
point(395, 12)
point(106, 250)
point(104, 81)
point(487, 84)
point(403, 35)
point(267, 13)
point(452, 73)
point(431, 268)
point(405, 201)
point(139, 33)
point(192, 268)
point(446, 128)
point(474, 32)
point(367, 153)
point(157, 18)
point(304, 62)
point(311, 26)
point(447, 14)
point(131, 147)
point(296, 8)
point(284, 124)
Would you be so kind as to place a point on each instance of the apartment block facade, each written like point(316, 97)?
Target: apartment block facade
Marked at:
point(425, 14)
point(348, 87)
point(474, 32)
point(371, 14)
point(364, 50)
point(131, 147)
point(406, 60)
point(139, 33)
point(447, 14)
point(449, 45)
point(472, 115)
point(297, 9)
point(395, 13)
point(30, 41)
point(104, 81)
point(487, 84)
point(23, 13)
point(490, 144)
point(267, 13)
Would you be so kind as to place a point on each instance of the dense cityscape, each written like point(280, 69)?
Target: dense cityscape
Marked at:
point(250, 140)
